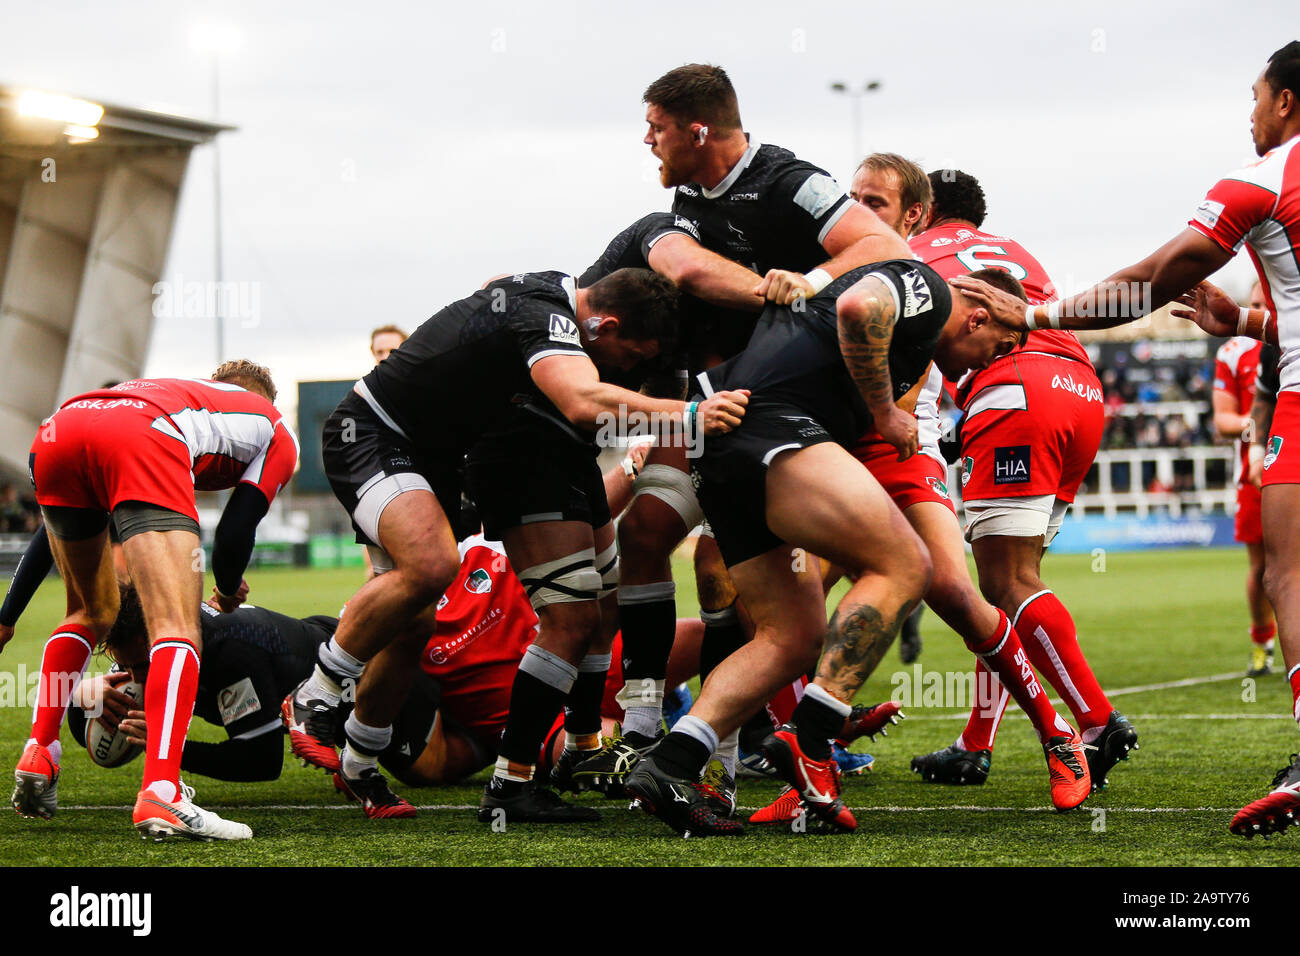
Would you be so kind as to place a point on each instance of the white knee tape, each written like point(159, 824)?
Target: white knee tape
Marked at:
point(607, 567)
point(566, 580)
point(673, 488)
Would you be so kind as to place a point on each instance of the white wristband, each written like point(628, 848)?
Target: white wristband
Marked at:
point(1054, 313)
point(818, 279)
point(1029, 317)
point(1243, 319)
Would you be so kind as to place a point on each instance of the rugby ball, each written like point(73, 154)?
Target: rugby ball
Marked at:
point(109, 748)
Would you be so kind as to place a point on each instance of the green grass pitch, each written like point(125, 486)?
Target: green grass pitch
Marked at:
point(1147, 622)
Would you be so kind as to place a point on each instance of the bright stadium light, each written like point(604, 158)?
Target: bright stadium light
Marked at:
point(80, 134)
point(64, 109)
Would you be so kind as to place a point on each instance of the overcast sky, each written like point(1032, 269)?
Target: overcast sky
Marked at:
point(390, 157)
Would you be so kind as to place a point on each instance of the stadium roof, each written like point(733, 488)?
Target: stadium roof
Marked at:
point(88, 198)
point(34, 121)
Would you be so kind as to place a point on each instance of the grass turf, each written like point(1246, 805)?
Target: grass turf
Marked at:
point(1147, 618)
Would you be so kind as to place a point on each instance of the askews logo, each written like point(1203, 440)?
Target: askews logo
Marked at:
point(563, 329)
point(1274, 449)
point(75, 909)
point(916, 294)
point(478, 582)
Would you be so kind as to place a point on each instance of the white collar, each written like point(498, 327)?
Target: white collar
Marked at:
point(730, 180)
point(570, 286)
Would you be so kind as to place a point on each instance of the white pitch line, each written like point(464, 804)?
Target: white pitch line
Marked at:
point(883, 809)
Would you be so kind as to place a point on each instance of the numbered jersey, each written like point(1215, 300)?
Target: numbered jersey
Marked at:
point(955, 249)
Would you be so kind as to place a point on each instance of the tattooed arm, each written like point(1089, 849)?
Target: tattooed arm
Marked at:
point(866, 315)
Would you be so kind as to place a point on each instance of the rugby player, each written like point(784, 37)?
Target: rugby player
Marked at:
point(791, 224)
point(887, 184)
point(1236, 367)
point(900, 193)
point(137, 452)
point(384, 339)
point(1259, 207)
point(820, 372)
point(507, 382)
point(1031, 428)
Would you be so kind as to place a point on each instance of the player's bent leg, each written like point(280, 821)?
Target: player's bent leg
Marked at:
point(86, 568)
point(1008, 565)
point(990, 636)
point(555, 562)
point(663, 510)
point(418, 560)
point(788, 609)
point(813, 496)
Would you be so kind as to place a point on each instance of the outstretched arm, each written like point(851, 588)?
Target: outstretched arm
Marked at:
point(1133, 292)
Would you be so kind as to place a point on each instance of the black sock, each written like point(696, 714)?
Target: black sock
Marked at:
point(816, 724)
point(582, 709)
point(682, 756)
point(755, 730)
point(723, 636)
point(649, 625)
point(533, 706)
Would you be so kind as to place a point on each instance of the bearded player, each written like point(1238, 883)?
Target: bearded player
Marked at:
point(791, 223)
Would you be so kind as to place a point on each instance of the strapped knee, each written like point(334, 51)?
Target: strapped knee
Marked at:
point(566, 580)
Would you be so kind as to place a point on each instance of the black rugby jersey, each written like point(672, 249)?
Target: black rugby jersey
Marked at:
point(772, 211)
point(630, 249)
point(465, 370)
point(252, 658)
point(794, 355)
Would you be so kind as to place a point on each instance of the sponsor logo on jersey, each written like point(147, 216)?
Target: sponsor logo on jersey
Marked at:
point(1208, 213)
point(916, 294)
point(1066, 383)
point(564, 329)
point(101, 404)
point(817, 194)
point(967, 466)
point(1011, 465)
point(478, 582)
point(743, 197)
point(681, 222)
point(739, 234)
point(938, 487)
point(687, 191)
point(237, 700)
point(942, 241)
point(964, 234)
point(1274, 449)
point(442, 602)
point(442, 653)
